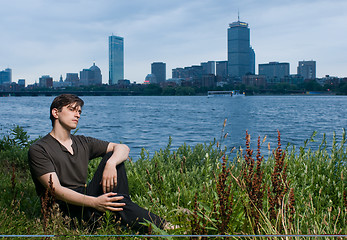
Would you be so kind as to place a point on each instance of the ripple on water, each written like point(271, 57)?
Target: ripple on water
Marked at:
point(149, 121)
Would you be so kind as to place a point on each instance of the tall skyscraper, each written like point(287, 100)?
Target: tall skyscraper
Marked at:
point(116, 59)
point(159, 70)
point(307, 69)
point(241, 56)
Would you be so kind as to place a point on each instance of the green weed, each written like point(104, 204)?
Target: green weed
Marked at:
point(201, 189)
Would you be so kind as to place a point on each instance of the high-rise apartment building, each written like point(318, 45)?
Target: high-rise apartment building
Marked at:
point(274, 70)
point(241, 56)
point(307, 69)
point(116, 59)
point(158, 69)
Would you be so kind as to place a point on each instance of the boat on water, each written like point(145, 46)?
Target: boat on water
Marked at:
point(237, 93)
point(234, 93)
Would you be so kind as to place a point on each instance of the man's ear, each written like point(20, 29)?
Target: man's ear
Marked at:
point(55, 113)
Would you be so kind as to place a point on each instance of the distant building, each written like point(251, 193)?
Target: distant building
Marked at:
point(6, 76)
point(178, 73)
point(72, 79)
point(174, 82)
point(21, 83)
point(60, 83)
point(46, 81)
point(254, 80)
point(330, 81)
point(209, 67)
point(188, 73)
point(208, 80)
point(151, 78)
point(158, 69)
point(294, 79)
point(241, 56)
point(116, 59)
point(307, 69)
point(123, 83)
point(194, 72)
point(91, 76)
point(252, 61)
point(274, 71)
point(222, 70)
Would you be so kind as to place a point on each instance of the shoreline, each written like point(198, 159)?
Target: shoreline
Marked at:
point(133, 93)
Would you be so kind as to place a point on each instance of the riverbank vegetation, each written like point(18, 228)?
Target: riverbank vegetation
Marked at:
point(204, 189)
point(186, 89)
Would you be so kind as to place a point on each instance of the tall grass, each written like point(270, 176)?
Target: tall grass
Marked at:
point(202, 189)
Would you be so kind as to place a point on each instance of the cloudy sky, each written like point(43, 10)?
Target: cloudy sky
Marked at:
point(46, 37)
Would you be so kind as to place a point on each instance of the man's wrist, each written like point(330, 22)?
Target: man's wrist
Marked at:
point(91, 201)
point(111, 164)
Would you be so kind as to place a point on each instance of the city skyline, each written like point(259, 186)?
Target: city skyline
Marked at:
point(67, 36)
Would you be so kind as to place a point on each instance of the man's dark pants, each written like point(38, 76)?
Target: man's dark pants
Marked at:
point(132, 214)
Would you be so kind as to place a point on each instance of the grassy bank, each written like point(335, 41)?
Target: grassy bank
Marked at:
point(203, 189)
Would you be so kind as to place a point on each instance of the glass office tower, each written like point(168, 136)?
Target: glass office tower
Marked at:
point(116, 59)
point(241, 56)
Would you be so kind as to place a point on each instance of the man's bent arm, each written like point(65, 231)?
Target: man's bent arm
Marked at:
point(102, 203)
point(120, 152)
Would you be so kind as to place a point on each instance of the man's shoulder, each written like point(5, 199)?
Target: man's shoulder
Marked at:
point(40, 147)
point(42, 141)
point(89, 141)
point(80, 138)
point(86, 138)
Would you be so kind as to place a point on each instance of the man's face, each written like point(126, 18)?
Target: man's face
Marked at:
point(69, 115)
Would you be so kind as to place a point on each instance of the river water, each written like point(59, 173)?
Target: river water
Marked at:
point(148, 122)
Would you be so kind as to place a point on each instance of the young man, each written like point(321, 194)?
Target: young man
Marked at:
point(63, 159)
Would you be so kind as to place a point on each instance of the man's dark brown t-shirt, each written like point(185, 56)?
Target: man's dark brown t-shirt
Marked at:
point(48, 155)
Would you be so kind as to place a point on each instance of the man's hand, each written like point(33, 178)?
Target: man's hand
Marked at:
point(109, 177)
point(108, 201)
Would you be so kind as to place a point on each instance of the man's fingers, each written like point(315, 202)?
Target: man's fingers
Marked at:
point(115, 198)
point(103, 183)
point(114, 209)
point(113, 204)
point(116, 205)
point(109, 184)
point(115, 181)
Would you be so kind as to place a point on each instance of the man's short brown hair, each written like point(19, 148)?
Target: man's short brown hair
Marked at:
point(64, 100)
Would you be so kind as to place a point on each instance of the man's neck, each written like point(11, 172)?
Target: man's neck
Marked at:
point(61, 134)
